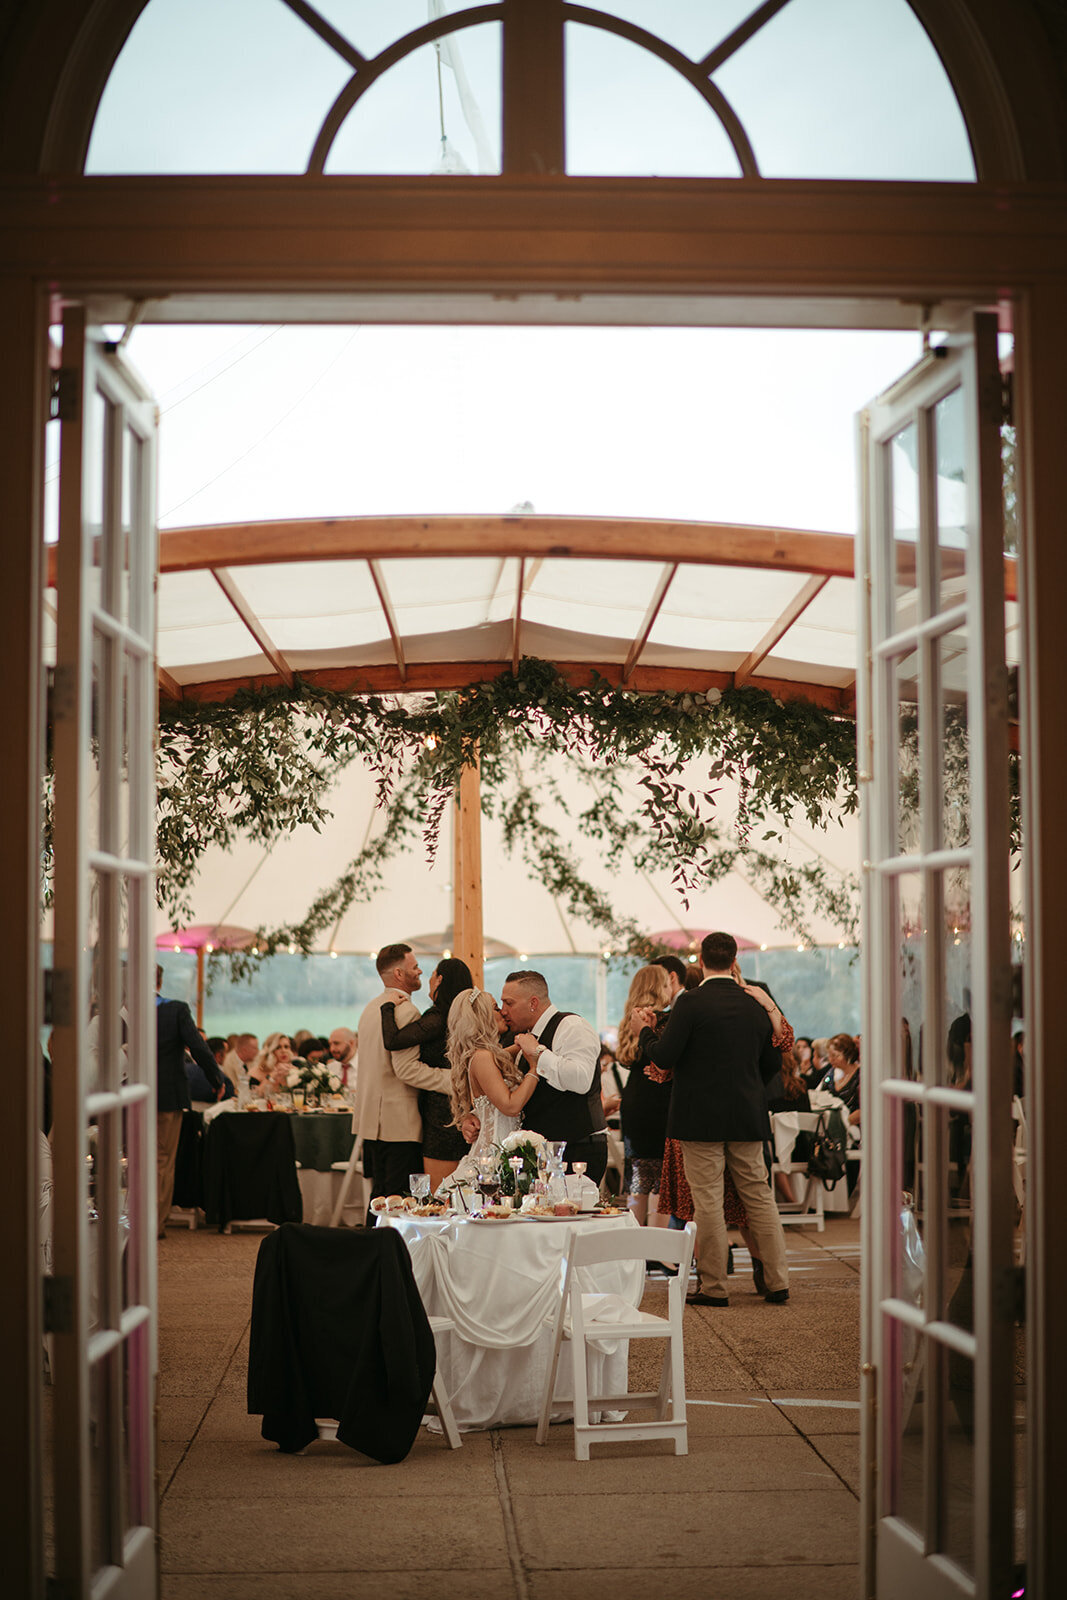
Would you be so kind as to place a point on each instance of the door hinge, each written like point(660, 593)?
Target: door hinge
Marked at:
point(1007, 399)
point(65, 396)
point(58, 1305)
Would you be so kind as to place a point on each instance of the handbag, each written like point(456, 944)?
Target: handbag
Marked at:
point(827, 1160)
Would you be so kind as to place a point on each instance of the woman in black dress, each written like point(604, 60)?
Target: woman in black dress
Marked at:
point(442, 1145)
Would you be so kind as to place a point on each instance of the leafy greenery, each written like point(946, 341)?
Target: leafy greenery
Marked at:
point(654, 767)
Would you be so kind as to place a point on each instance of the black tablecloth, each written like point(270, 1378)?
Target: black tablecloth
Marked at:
point(339, 1330)
point(250, 1168)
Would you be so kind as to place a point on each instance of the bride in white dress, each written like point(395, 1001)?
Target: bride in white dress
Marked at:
point(485, 1079)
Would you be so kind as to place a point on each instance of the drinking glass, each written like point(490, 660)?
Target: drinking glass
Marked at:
point(419, 1184)
point(298, 1099)
point(578, 1168)
point(557, 1147)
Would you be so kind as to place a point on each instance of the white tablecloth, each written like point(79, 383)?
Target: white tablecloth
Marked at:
point(500, 1283)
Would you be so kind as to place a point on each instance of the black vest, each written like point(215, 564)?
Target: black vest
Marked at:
point(563, 1113)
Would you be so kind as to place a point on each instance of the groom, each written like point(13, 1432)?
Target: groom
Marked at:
point(566, 1051)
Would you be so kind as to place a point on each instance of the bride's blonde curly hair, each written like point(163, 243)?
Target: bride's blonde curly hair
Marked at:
point(471, 1027)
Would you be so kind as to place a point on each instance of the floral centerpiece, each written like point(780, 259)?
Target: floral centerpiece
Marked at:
point(524, 1144)
point(316, 1078)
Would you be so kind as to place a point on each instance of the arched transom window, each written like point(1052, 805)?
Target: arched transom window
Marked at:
point(667, 88)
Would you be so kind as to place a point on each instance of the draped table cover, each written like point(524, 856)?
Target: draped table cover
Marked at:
point(500, 1284)
point(320, 1138)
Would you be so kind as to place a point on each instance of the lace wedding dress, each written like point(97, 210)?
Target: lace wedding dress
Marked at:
point(495, 1126)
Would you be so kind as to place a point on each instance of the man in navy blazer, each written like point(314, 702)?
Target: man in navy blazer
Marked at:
point(176, 1032)
point(717, 1047)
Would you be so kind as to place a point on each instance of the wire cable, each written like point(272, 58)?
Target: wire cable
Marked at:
point(297, 403)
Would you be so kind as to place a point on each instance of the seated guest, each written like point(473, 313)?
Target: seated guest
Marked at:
point(300, 1039)
point(802, 1056)
point(844, 1057)
point(443, 1146)
point(342, 1049)
point(316, 1050)
point(794, 1097)
point(199, 1088)
point(271, 1067)
point(240, 1057)
point(820, 1067)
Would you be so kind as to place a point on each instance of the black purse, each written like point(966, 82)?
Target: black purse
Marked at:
point(827, 1159)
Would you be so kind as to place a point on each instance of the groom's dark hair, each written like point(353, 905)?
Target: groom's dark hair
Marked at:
point(718, 952)
point(532, 982)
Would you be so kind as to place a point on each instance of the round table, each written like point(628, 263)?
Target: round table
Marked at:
point(320, 1138)
point(500, 1285)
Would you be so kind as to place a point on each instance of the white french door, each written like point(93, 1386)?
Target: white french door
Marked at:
point(938, 1322)
point(102, 1296)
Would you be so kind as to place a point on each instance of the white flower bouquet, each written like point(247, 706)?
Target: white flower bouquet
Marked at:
point(314, 1077)
point(525, 1144)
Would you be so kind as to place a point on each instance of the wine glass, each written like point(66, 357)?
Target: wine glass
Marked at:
point(419, 1184)
point(578, 1168)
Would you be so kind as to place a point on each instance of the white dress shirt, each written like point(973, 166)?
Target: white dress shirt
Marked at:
point(573, 1062)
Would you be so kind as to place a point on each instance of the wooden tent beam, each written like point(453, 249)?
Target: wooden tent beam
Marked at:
point(610, 538)
point(386, 604)
point(659, 594)
point(254, 625)
point(468, 940)
point(778, 628)
point(430, 675)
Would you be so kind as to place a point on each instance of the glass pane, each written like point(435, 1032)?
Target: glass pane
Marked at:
point(950, 456)
point(370, 25)
point(138, 1426)
point(204, 87)
point(957, 1289)
point(134, 510)
point(630, 114)
point(695, 30)
point(910, 934)
point(818, 90)
point(904, 1421)
point(955, 1000)
point(908, 772)
point(904, 519)
point(436, 111)
point(907, 1280)
point(93, 487)
point(99, 1442)
point(958, 1476)
point(955, 742)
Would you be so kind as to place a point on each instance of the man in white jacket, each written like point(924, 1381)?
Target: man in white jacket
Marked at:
point(387, 1085)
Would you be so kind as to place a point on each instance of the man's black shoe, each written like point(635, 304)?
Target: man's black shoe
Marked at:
point(700, 1299)
point(777, 1297)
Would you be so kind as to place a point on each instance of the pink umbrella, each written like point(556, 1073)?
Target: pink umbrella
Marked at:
point(201, 938)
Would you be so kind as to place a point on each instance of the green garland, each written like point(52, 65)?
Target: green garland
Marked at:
point(262, 764)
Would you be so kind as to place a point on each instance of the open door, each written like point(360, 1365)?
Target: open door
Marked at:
point(101, 1301)
point(938, 1202)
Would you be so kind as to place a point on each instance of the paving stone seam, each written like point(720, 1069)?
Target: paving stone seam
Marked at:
point(164, 1488)
point(507, 1511)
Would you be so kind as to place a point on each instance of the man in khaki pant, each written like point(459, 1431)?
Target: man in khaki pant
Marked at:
point(717, 1046)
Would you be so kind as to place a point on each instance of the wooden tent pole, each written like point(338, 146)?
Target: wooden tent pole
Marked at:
point(467, 939)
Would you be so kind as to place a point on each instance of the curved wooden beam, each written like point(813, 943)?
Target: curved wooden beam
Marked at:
point(386, 679)
point(237, 544)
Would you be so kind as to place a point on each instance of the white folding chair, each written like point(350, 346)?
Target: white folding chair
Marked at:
point(785, 1125)
point(577, 1320)
point(353, 1174)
